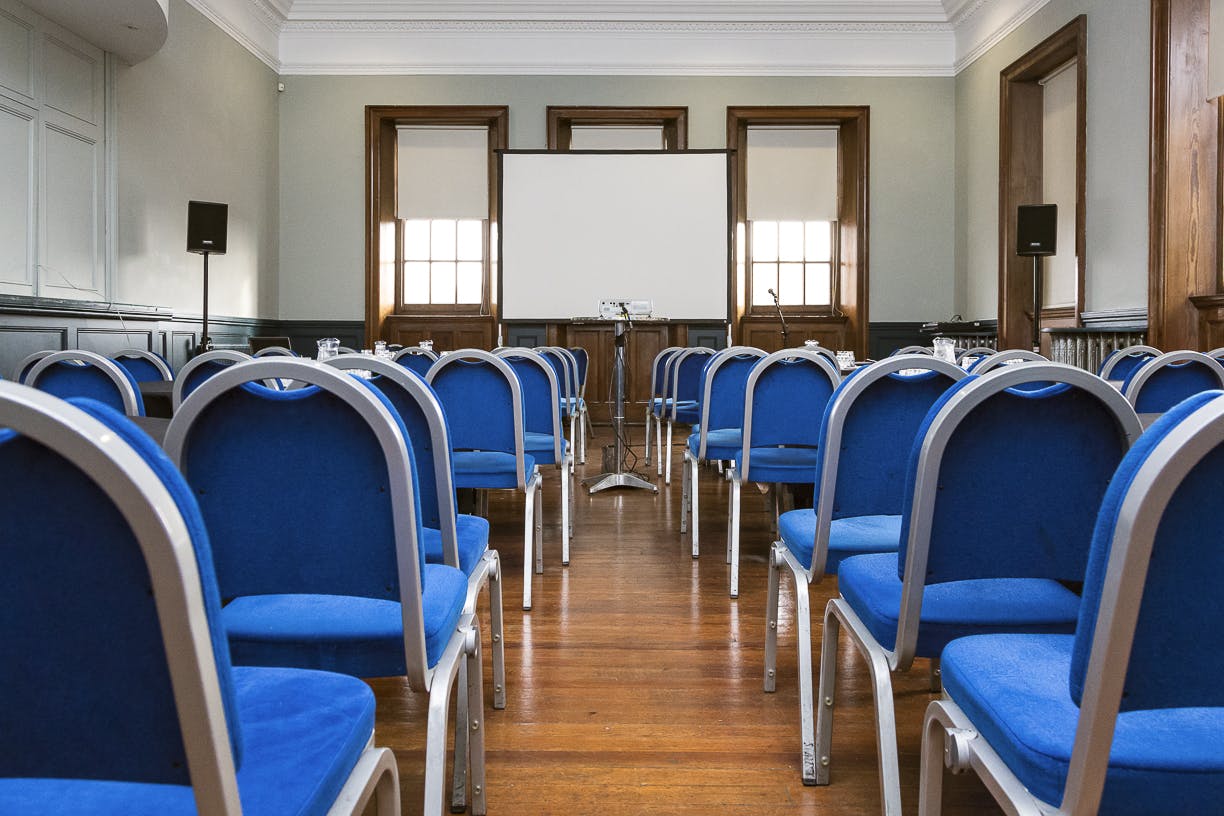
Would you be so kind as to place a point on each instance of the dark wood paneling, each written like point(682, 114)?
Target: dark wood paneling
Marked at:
point(885, 338)
point(108, 342)
point(1184, 214)
point(1021, 116)
point(523, 335)
point(447, 333)
point(642, 343)
point(766, 332)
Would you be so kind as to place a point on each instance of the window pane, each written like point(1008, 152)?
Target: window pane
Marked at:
point(790, 284)
point(764, 240)
point(416, 240)
point(741, 245)
point(819, 284)
point(764, 277)
point(819, 240)
point(471, 240)
point(416, 283)
point(469, 282)
point(442, 241)
point(442, 282)
point(790, 241)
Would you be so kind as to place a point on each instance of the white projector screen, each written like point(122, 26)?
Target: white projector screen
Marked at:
point(577, 228)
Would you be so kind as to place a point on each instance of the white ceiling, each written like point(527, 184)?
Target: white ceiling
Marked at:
point(688, 37)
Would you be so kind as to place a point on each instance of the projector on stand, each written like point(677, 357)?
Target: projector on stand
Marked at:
point(622, 309)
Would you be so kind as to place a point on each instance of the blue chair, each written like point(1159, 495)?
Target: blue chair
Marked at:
point(784, 398)
point(449, 537)
point(275, 351)
point(119, 696)
point(543, 439)
point(967, 357)
point(1126, 715)
point(86, 374)
point(990, 362)
point(719, 431)
point(573, 406)
point(199, 368)
point(1162, 382)
point(23, 368)
point(415, 358)
point(144, 366)
point(864, 443)
point(685, 378)
point(1037, 463)
point(912, 350)
point(310, 501)
point(1119, 363)
point(659, 400)
point(483, 402)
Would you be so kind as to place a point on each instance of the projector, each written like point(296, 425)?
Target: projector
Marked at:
point(622, 308)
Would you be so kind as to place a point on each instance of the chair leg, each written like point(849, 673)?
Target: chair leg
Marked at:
point(496, 630)
point(375, 778)
point(772, 612)
point(694, 508)
point(474, 689)
point(566, 519)
point(837, 613)
point(649, 415)
point(459, 762)
point(435, 746)
point(658, 423)
point(684, 493)
point(930, 778)
point(668, 453)
point(733, 539)
point(528, 538)
point(935, 676)
point(539, 524)
point(573, 440)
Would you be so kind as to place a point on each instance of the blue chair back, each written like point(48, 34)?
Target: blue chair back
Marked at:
point(480, 399)
point(687, 369)
point(266, 465)
point(541, 395)
point(725, 383)
point(583, 360)
point(559, 360)
point(87, 690)
point(416, 359)
point(85, 374)
point(144, 366)
point(1006, 480)
point(22, 371)
point(1162, 382)
point(200, 368)
point(1119, 363)
point(882, 415)
point(788, 393)
point(1163, 496)
point(660, 370)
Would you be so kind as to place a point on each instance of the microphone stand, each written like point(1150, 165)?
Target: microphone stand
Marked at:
point(781, 317)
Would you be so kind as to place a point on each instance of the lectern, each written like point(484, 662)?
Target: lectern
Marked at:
point(619, 476)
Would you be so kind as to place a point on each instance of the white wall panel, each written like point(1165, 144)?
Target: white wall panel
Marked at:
point(17, 174)
point(73, 80)
point(71, 257)
point(16, 55)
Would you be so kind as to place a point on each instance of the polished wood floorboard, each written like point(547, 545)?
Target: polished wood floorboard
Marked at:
point(635, 682)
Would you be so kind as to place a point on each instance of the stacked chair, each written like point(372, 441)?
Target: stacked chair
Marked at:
point(126, 700)
point(685, 378)
point(1037, 463)
point(784, 398)
point(865, 437)
point(309, 497)
point(1126, 715)
point(659, 401)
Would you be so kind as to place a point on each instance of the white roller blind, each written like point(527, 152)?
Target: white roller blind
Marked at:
point(1059, 107)
point(792, 174)
point(592, 137)
point(1215, 50)
point(443, 172)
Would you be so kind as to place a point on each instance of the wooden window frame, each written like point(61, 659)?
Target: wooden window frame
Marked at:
point(1021, 176)
point(384, 238)
point(850, 259)
point(562, 119)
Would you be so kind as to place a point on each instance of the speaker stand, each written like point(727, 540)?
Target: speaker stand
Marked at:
point(619, 477)
point(1036, 304)
point(205, 343)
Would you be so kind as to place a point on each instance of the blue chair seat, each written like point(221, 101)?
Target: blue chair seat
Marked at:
point(785, 465)
point(302, 733)
point(869, 583)
point(473, 539)
point(359, 636)
point(659, 405)
point(855, 535)
point(539, 446)
point(722, 443)
point(688, 412)
point(1015, 689)
point(489, 469)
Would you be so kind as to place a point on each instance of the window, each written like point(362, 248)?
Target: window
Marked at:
point(443, 261)
point(617, 128)
point(795, 260)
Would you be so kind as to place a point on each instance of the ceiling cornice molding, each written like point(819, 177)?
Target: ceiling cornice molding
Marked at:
point(982, 24)
point(638, 37)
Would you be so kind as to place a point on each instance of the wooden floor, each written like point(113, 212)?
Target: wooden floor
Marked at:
point(635, 682)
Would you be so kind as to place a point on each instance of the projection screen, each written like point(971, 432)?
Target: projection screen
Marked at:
point(576, 228)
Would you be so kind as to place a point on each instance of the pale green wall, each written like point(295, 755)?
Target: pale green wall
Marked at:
point(322, 180)
point(1117, 181)
point(198, 120)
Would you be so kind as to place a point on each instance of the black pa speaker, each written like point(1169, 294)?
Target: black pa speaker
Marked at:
point(206, 227)
point(1037, 229)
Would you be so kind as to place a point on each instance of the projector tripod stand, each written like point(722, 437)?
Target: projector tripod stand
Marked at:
point(619, 476)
